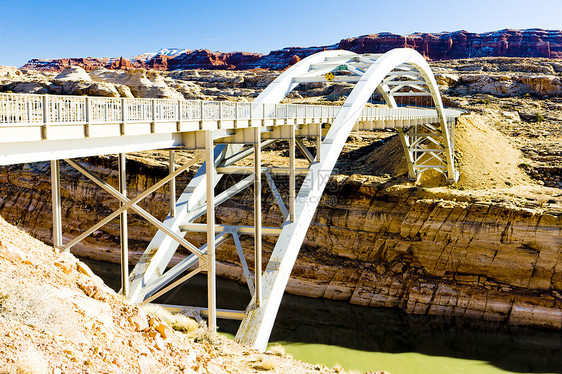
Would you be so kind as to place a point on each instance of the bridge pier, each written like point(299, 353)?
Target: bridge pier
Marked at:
point(211, 260)
point(56, 204)
point(124, 234)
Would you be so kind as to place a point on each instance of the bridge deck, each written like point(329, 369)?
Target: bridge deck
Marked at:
point(48, 127)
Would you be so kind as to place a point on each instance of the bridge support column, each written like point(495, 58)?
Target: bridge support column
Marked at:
point(257, 214)
point(124, 239)
point(210, 257)
point(292, 181)
point(319, 143)
point(56, 203)
point(172, 167)
point(412, 176)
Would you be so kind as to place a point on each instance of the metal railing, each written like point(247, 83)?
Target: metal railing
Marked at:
point(34, 109)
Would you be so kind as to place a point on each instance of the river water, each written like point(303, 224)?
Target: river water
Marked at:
point(363, 338)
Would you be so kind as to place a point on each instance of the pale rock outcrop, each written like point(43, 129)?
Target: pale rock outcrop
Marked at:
point(37, 88)
point(543, 85)
point(446, 80)
point(124, 91)
point(189, 90)
point(9, 72)
point(73, 73)
point(74, 80)
point(87, 88)
point(141, 82)
point(502, 85)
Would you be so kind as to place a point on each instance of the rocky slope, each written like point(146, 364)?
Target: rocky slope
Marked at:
point(56, 316)
point(436, 46)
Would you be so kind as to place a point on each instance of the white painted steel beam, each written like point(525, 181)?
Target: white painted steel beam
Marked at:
point(211, 264)
point(23, 152)
point(162, 247)
point(134, 200)
point(305, 152)
point(257, 217)
point(242, 230)
point(166, 282)
point(244, 170)
point(140, 211)
point(191, 310)
point(123, 234)
point(171, 168)
point(244, 264)
point(223, 196)
point(56, 204)
point(277, 195)
point(322, 79)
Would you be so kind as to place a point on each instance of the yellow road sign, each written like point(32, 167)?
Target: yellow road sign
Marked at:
point(329, 76)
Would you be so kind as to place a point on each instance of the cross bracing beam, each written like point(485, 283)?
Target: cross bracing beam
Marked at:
point(244, 170)
point(242, 230)
point(396, 89)
point(337, 78)
point(164, 283)
point(404, 82)
point(427, 94)
point(305, 152)
point(191, 311)
point(127, 203)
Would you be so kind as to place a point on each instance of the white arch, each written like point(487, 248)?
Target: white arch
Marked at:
point(284, 83)
point(371, 80)
point(258, 322)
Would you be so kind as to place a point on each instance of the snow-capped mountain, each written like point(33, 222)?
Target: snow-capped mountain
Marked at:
point(170, 52)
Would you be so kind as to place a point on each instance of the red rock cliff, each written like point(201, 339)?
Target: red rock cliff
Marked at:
point(438, 46)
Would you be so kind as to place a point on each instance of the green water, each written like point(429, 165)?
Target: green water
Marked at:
point(368, 339)
point(394, 363)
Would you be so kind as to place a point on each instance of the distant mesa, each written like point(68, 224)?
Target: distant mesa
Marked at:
point(437, 46)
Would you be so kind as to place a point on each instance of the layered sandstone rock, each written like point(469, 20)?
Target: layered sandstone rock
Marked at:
point(205, 59)
point(463, 44)
point(142, 83)
point(388, 247)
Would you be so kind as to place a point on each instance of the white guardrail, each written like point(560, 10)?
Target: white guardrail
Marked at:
point(42, 109)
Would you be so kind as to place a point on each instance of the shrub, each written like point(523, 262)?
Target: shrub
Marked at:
point(540, 117)
point(178, 322)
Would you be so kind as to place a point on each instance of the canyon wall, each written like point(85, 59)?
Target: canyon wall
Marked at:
point(372, 242)
point(434, 46)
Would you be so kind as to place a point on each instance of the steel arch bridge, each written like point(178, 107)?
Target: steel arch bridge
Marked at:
point(54, 128)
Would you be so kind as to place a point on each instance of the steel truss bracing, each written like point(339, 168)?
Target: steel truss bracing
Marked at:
point(222, 134)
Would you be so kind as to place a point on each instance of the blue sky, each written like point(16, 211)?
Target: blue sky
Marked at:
point(101, 28)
